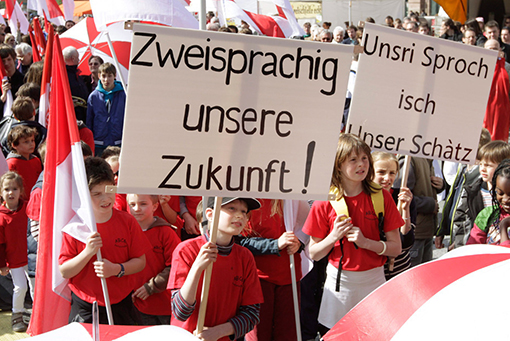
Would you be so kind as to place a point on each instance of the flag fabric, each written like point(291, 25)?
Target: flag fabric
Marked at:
point(284, 25)
point(55, 14)
point(16, 15)
point(497, 119)
point(9, 100)
point(456, 9)
point(68, 9)
point(66, 204)
point(44, 102)
point(35, 48)
point(39, 36)
point(294, 216)
point(168, 12)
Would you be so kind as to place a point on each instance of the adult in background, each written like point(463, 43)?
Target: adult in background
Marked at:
point(475, 26)
point(15, 78)
point(411, 26)
point(79, 90)
point(24, 55)
point(91, 80)
point(352, 38)
point(338, 35)
point(492, 32)
point(505, 35)
point(449, 31)
point(469, 37)
point(326, 36)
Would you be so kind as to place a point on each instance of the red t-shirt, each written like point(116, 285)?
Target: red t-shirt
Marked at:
point(28, 169)
point(322, 216)
point(272, 268)
point(234, 283)
point(123, 239)
point(13, 233)
point(164, 240)
point(34, 204)
point(120, 202)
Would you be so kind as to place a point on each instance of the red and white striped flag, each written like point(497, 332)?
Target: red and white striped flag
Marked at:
point(48, 9)
point(167, 12)
point(284, 25)
point(66, 203)
point(9, 100)
point(16, 15)
point(35, 48)
point(44, 102)
point(39, 36)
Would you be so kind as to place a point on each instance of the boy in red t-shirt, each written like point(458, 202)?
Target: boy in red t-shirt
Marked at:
point(123, 247)
point(234, 294)
point(151, 297)
point(21, 140)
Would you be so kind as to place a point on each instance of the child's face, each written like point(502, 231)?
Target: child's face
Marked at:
point(141, 207)
point(11, 193)
point(26, 146)
point(115, 168)
point(487, 169)
point(102, 202)
point(503, 193)
point(107, 81)
point(385, 173)
point(355, 168)
point(233, 217)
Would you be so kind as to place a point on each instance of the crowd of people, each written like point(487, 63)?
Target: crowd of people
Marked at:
point(155, 248)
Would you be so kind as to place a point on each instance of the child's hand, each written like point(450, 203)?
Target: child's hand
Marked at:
point(208, 334)
point(436, 182)
point(106, 269)
point(207, 255)
point(290, 241)
point(164, 199)
point(354, 235)
point(4, 271)
point(341, 226)
point(93, 243)
point(141, 293)
point(405, 197)
point(190, 224)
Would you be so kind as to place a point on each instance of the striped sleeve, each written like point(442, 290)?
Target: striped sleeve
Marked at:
point(181, 309)
point(248, 317)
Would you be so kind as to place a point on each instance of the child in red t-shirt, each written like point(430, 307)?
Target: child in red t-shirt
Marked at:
point(151, 297)
point(123, 247)
point(234, 294)
point(352, 243)
point(21, 140)
point(13, 237)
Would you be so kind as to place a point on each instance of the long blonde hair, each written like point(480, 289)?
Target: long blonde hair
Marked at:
point(348, 144)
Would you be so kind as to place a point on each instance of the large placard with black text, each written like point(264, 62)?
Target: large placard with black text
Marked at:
point(223, 114)
point(420, 96)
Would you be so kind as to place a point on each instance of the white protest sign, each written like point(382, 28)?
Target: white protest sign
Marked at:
point(223, 114)
point(420, 96)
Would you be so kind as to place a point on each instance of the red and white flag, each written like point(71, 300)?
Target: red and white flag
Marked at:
point(167, 12)
point(39, 36)
point(8, 102)
point(44, 102)
point(66, 203)
point(16, 15)
point(49, 9)
point(35, 48)
point(284, 25)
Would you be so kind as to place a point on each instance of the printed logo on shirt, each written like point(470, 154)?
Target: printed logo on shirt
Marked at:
point(370, 215)
point(238, 281)
point(157, 249)
point(120, 242)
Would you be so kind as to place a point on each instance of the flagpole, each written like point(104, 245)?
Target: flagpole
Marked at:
point(105, 293)
point(201, 15)
point(290, 209)
point(110, 45)
point(208, 271)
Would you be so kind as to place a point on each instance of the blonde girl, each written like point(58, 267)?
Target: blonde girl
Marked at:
point(352, 244)
point(13, 240)
point(386, 168)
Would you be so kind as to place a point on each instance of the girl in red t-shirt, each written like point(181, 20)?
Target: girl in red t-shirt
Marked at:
point(356, 253)
point(13, 243)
